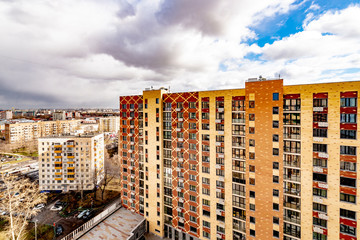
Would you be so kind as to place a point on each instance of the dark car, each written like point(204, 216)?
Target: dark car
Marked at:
point(59, 230)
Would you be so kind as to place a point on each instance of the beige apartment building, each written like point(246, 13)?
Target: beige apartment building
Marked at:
point(70, 163)
point(268, 161)
point(7, 114)
point(23, 132)
point(109, 124)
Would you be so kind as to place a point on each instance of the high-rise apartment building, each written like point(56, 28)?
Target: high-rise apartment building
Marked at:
point(71, 162)
point(59, 115)
point(265, 162)
point(7, 114)
point(109, 124)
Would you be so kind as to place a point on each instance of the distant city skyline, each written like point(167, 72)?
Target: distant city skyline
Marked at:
point(81, 54)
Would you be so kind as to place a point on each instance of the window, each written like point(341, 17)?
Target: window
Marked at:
point(251, 168)
point(252, 181)
point(348, 230)
point(275, 110)
point(347, 118)
point(252, 142)
point(192, 136)
point(348, 134)
point(318, 162)
point(252, 232)
point(348, 182)
point(251, 104)
point(251, 155)
point(275, 165)
point(157, 101)
point(319, 192)
point(276, 234)
point(192, 115)
point(275, 138)
point(251, 130)
point(192, 104)
point(348, 166)
point(206, 202)
point(320, 147)
point(275, 179)
point(348, 150)
point(275, 96)
point(320, 102)
point(205, 126)
point(276, 220)
point(320, 207)
point(275, 192)
point(348, 102)
point(319, 236)
point(319, 222)
point(252, 219)
point(292, 104)
point(206, 224)
point(251, 117)
point(205, 116)
point(320, 132)
point(275, 124)
point(320, 177)
point(320, 117)
point(347, 198)
point(238, 105)
point(275, 151)
point(252, 194)
point(347, 214)
point(276, 206)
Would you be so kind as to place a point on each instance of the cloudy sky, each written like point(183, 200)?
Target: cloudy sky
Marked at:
point(86, 53)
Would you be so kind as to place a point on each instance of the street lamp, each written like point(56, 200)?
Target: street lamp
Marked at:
point(36, 229)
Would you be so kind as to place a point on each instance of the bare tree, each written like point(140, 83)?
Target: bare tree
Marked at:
point(111, 171)
point(20, 197)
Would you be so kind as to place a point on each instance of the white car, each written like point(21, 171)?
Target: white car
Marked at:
point(56, 208)
point(39, 206)
point(82, 214)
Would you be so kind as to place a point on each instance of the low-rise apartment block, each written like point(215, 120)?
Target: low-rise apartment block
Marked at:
point(264, 162)
point(71, 162)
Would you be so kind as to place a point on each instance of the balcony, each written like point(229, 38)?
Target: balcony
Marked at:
point(292, 191)
point(292, 136)
point(292, 219)
point(292, 205)
point(292, 177)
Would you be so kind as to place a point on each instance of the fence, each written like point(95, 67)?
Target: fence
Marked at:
point(93, 222)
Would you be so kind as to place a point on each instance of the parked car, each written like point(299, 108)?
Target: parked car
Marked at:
point(57, 206)
point(59, 230)
point(88, 214)
point(81, 215)
point(39, 206)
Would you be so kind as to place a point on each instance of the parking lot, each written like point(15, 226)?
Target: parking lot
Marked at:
point(49, 217)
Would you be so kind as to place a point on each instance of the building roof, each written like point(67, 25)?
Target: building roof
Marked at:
point(117, 226)
point(82, 135)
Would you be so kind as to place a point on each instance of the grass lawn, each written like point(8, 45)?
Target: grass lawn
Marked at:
point(44, 232)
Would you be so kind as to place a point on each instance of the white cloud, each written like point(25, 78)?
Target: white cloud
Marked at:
point(87, 53)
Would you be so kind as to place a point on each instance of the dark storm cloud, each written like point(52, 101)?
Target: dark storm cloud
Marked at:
point(200, 15)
